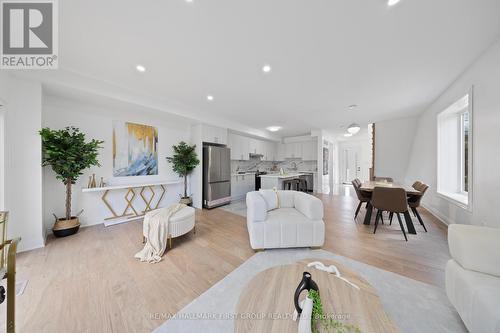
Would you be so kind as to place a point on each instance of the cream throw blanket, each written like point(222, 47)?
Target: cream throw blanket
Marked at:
point(155, 229)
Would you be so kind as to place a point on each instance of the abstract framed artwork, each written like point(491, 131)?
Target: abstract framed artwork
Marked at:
point(135, 149)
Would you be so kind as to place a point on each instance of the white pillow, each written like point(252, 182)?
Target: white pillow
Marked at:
point(286, 199)
point(271, 199)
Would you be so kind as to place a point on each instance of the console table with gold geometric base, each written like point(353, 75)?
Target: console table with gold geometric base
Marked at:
point(131, 212)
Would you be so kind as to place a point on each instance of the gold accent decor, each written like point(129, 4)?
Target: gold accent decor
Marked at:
point(129, 203)
point(148, 202)
point(163, 191)
point(103, 198)
point(130, 210)
point(3, 227)
point(11, 283)
point(8, 249)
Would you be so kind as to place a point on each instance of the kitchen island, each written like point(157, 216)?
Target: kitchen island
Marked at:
point(276, 180)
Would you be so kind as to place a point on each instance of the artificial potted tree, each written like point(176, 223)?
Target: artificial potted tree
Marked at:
point(183, 162)
point(67, 152)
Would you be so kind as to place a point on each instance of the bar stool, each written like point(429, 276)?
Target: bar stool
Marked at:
point(302, 184)
point(287, 184)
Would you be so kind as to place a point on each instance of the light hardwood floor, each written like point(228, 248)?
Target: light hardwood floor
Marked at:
point(90, 282)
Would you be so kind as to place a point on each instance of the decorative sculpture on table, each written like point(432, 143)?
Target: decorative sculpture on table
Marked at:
point(135, 149)
point(304, 309)
point(67, 152)
point(307, 283)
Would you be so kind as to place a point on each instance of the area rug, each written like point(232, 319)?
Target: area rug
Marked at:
point(238, 207)
point(413, 306)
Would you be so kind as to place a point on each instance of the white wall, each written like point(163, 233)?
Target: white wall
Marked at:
point(2, 156)
point(393, 146)
point(484, 75)
point(23, 172)
point(95, 120)
point(196, 178)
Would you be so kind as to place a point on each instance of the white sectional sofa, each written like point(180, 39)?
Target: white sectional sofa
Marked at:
point(473, 276)
point(284, 219)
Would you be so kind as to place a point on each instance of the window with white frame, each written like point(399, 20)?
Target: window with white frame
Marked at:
point(454, 178)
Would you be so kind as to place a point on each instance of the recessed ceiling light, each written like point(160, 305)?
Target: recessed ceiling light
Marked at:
point(347, 135)
point(392, 2)
point(189, 1)
point(274, 128)
point(353, 128)
point(140, 68)
point(352, 107)
point(210, 98)
point(266, 68)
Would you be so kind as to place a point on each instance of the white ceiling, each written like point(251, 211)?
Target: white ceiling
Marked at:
point(325, 55)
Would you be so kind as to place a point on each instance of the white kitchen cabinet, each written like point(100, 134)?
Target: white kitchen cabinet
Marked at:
point(271, 151)
point(213, 134)
point(281, 152)
point(245, 147)
point(253, 145)
point(233, 142)
point(239, 146)
point(266, 151)
point(309, 151)
point(293, 150)
point(256, 146)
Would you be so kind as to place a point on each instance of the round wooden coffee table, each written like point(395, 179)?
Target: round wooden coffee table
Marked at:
point(266, 304)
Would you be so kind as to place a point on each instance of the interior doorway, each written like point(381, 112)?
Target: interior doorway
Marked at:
point(354, 155)
point(350, 167)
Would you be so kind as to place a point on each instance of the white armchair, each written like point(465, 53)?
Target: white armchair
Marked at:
point(473, 276)
point(284, 219)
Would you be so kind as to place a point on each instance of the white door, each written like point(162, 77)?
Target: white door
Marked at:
point(350, 167)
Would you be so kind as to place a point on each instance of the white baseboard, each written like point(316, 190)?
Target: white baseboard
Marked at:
point(108, 223)
point(441, 217)
point(27, 245)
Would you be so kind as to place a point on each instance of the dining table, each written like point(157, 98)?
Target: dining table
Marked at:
point(370, 185)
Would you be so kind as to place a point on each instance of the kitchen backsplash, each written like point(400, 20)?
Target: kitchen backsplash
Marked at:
point(288, 165)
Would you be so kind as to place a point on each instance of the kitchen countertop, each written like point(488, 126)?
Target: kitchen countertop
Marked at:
point(286, 175)
point(276, 174)
point(243, 174)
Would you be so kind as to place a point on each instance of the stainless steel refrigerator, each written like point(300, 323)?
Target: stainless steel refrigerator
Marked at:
point(216, 176)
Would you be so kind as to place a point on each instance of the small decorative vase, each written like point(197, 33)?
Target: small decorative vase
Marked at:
point(305, 321)
point(89, 185)
point(307, 283)
point(93, 181)
point(101, 183)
